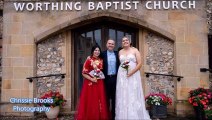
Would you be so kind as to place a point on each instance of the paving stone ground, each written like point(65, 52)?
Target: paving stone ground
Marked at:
point(70, 117)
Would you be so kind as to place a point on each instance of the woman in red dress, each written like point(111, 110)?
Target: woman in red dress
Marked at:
point(92, 104)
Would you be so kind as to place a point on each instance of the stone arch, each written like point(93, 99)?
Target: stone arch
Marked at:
point(50, 31)
point(86, 19)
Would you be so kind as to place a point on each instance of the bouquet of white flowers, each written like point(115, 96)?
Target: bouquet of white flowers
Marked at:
point(158, 99)
point(97, 73)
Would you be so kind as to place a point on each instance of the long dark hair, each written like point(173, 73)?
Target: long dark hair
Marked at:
point(93, 48)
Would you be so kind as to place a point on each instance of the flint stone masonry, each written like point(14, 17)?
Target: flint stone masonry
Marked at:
point(50, 61)
point(209, 14)
point(1, 4)
point(1, 27)
point(209, 21)
point(160, 59)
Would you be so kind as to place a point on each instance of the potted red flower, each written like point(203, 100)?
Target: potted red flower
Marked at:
point(56, 101)
point(158, 104)
point(200, 98)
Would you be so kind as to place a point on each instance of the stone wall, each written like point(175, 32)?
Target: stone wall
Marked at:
point(1, 4)
point(160, 59)
point(50, 61)
point(1, 35)
point(209, 15)
point(21, 29)
point(209, 21)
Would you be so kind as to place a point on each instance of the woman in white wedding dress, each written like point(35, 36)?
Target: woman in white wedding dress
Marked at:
point(130, 102)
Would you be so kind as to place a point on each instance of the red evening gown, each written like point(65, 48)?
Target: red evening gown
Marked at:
point(92, 104)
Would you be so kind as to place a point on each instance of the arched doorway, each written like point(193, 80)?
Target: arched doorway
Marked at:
point(87, 27)
point(86, 36)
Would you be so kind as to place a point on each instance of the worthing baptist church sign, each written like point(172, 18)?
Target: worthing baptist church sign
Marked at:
point(117, 5)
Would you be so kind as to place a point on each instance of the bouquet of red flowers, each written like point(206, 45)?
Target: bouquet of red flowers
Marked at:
point(158, 99)
point(200, 97)
point(125, 65)
point(56, 97)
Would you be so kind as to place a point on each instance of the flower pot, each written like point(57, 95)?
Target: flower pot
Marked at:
point(158, 111)
point(199, 112)
point(53, 113)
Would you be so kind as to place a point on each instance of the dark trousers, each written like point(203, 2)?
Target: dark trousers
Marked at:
point(110, 86)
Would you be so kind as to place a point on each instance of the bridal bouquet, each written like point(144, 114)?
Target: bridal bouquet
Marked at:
point(97, 73)
point(125, 65)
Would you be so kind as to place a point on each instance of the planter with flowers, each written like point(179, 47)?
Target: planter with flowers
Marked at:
point(58, 101)
point(208, 112)
point(200, 98)
point(158, 105)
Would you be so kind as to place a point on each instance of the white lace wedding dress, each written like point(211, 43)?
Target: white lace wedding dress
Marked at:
point(130, 102)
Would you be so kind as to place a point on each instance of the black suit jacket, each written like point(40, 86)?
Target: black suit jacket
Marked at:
point(105, 62)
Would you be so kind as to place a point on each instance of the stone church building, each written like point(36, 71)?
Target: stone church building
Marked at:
point(53, 43)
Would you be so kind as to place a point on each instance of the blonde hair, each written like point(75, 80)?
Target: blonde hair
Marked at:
point(128, 38)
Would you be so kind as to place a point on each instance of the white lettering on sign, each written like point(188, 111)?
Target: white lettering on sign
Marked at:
point(117, 5)
point(105, 5)
point(183, 4)
point(41, 6)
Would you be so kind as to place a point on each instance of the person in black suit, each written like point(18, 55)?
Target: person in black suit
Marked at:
point(110, 69)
